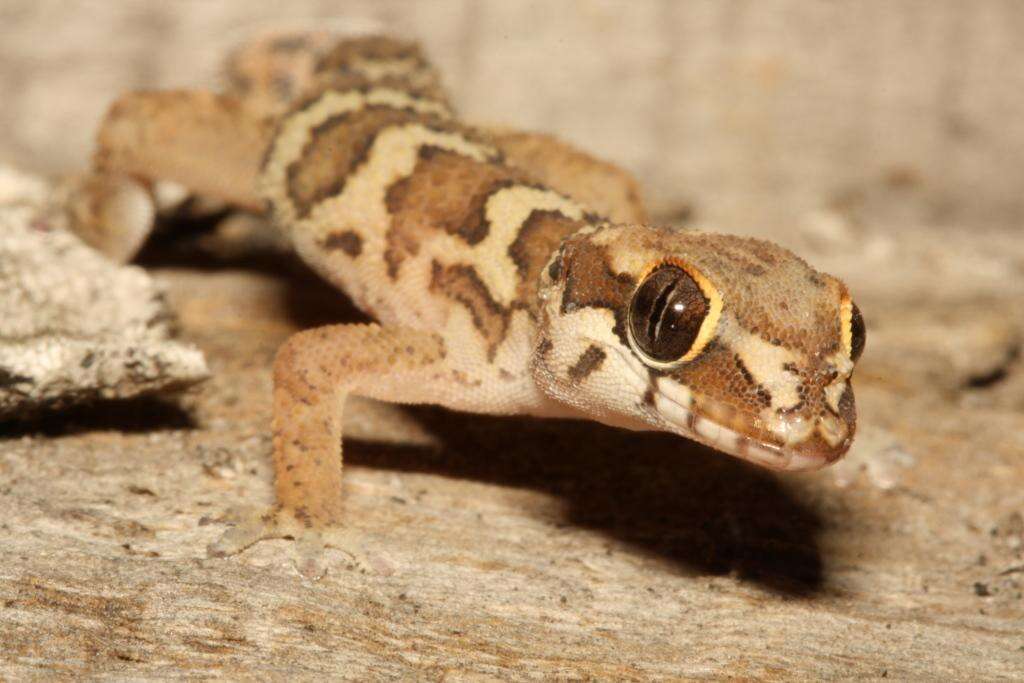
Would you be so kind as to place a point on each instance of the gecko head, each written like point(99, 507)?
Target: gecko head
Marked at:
point(733, 342)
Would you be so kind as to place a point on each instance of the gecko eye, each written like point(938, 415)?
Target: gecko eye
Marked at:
point(667, 315)
point(857, 333)
point(852, 328)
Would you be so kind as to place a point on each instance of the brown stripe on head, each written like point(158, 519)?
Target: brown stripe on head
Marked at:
point(590, 282)
point(338, 146)
point(462, 284)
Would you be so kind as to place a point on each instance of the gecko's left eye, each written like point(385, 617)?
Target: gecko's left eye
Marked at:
point(858, 334)
point(670, 316)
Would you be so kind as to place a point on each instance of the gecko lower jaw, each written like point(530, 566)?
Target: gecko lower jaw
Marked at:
point(811, 453)
point(681, 419)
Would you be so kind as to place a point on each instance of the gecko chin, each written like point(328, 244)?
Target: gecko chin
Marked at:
point(791, 443)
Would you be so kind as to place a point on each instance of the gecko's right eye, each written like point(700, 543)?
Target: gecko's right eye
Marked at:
point(672, 315)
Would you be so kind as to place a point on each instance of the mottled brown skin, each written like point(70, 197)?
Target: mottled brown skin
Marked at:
point(495, 292)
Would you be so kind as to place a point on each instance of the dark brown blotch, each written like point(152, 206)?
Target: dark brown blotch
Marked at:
point(741, 366)
point(589, 361)
point(347, 241)
point(539, 236)
point(544, 348)
point(648, 399)
point(462, 284)
point(590, 282)
point(446, 191)
point(339, 146)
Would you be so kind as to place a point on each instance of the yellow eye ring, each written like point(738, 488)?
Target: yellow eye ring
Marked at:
point(648, 315)
point(851, 328)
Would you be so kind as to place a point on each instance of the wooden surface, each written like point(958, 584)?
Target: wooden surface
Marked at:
point(525, 549)
point(517, 549)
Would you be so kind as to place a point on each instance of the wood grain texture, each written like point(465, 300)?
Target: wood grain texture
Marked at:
point(519, 549)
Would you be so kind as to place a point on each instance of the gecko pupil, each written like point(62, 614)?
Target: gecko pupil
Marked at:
point(666, 314)
point(858, 335)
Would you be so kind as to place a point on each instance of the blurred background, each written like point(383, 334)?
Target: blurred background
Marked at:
point(745, 115)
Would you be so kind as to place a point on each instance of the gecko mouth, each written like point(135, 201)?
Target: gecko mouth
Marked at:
point(795, 444)
point(678, 410)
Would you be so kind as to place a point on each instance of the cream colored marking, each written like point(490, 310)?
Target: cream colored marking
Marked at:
point(635, 260)
point(506, 210)
point(707, 429)
point(790, 430)
point(393, 157)
point(636, 381)
point(297, 131)
point(842, 364)
point(518, 344)
point(800, 462)
point(763, 456)
point(361, 207)
point(764, 362)
point(717, 435)
point(671, 411)
point(832, 430)
point(472, 358)
point(679, 393)
point(834, 392)
point(728, 440)
point(590, 229)
point(594, 326)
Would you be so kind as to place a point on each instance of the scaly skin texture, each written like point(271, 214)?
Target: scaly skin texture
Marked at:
point(509, 274)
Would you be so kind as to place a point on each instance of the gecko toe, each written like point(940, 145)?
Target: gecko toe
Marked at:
point(251, 525)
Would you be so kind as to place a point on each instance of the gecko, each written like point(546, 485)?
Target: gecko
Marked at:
point(508, 274)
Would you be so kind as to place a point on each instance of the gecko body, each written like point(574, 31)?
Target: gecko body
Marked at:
point(508, 274)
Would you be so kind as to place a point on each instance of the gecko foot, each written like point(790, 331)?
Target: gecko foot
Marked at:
point(251, 525)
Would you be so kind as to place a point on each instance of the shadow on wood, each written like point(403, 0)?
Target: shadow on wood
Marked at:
point(701, 511)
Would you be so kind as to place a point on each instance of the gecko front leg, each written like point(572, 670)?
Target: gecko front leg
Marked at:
point(314, 373)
